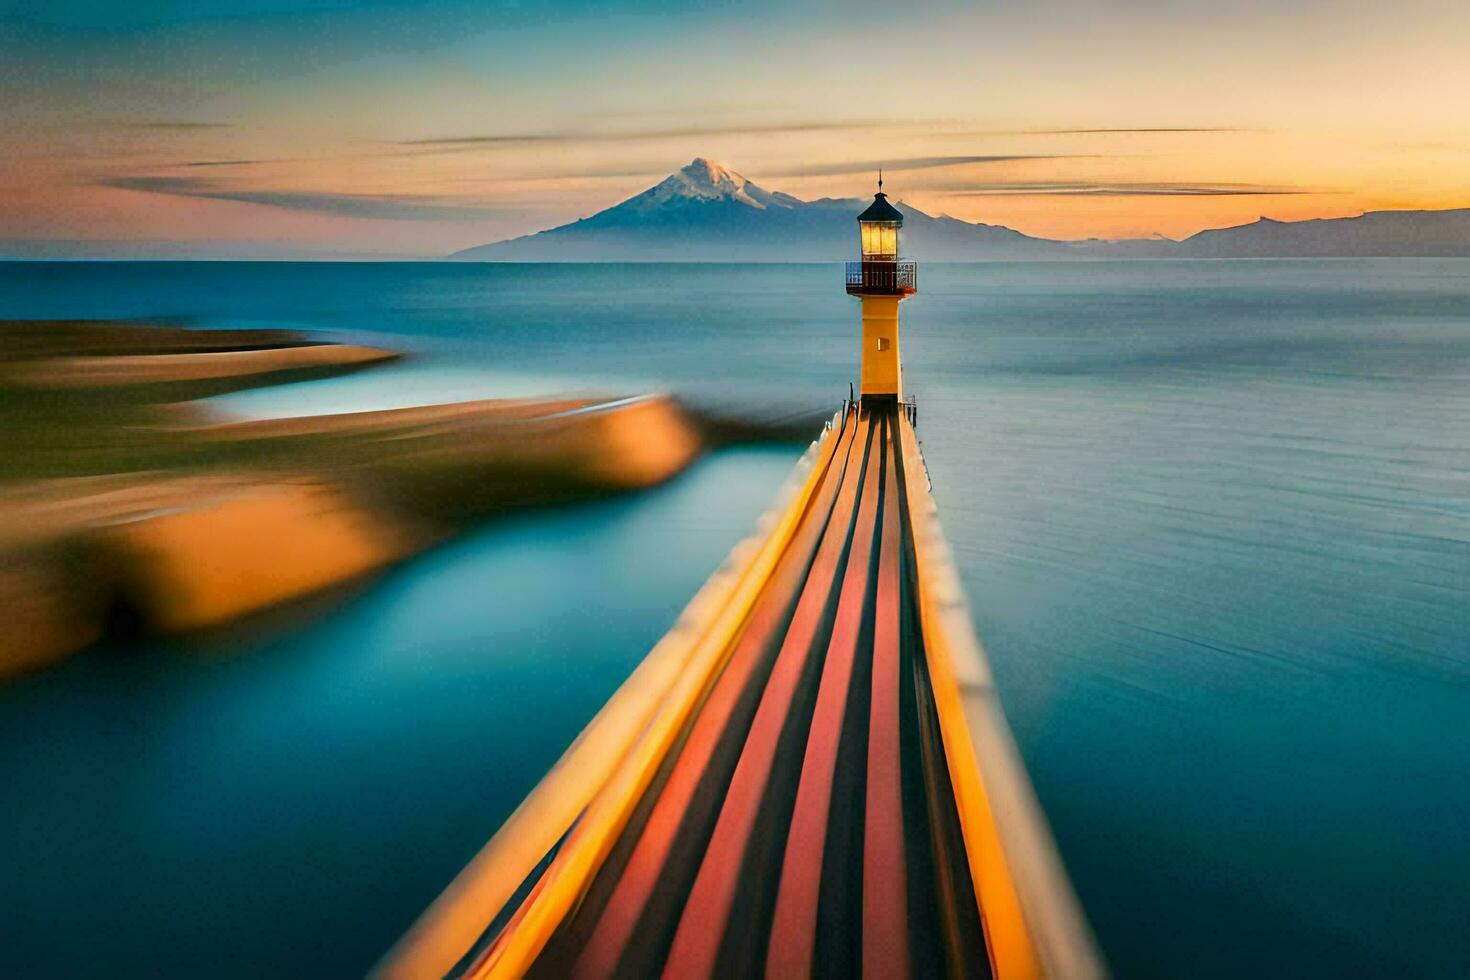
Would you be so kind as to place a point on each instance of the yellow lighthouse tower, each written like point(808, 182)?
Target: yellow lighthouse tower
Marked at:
point(882, 281)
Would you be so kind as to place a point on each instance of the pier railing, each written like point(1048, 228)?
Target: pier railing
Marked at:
point(1035, 926)
point(882, 277)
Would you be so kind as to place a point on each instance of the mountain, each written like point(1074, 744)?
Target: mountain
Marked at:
point(1375, 234)
point(706, 213)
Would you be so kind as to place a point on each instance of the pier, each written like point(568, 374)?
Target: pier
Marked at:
point(810, 773)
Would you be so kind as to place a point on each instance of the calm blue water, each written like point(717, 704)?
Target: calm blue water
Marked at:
point(1214, 518)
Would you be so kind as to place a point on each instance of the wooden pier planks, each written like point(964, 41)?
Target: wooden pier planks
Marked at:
point(794, 923)
point(606, 950)
point(885, 924)
point(708, 910)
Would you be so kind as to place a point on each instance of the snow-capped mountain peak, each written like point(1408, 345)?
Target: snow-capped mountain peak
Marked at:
point(704, 180)
point(706, 177)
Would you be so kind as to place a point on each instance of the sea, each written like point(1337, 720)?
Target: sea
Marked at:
point(1213, 518)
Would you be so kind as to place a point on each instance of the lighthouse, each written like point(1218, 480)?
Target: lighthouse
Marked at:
point(881, 281)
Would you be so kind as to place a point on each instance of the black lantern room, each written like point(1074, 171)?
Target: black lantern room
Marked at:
point(879, 226)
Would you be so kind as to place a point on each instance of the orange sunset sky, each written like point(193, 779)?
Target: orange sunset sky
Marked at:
point(395, 128)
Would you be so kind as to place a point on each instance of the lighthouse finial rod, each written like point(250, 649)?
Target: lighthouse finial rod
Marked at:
point(880, 179)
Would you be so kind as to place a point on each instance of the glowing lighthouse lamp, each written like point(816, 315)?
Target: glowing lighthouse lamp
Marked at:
point(881, 281)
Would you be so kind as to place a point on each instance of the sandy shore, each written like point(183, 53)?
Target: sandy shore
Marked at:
point(121, 511)
point(142, 369)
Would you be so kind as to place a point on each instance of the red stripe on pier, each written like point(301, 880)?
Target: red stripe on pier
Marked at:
point(794, 925)
point(702, 926)
point(605, 948)
point(885, 874)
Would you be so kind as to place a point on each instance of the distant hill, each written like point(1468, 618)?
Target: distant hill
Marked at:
point(1377, 233)
point(706, 213)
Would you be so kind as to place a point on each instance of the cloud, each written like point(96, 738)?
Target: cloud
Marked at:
point(894, 165)
point(652, 172)
point(389, 207)
point(909, 163)
point(820, 170)
point(1129, 129)
point(180, 125)
point(229, 163)
point(1077, 188)
point(603, 136)
point(506, 139)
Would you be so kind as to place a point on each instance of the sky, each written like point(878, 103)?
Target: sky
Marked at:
point(265, 128)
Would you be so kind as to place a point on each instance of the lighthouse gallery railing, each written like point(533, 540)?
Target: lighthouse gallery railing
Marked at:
point(893, 276)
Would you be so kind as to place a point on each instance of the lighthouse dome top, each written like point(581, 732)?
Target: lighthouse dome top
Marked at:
point(881, 210)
